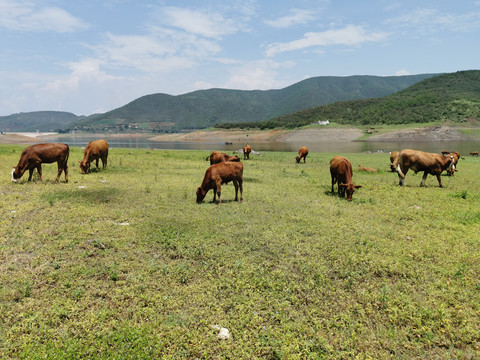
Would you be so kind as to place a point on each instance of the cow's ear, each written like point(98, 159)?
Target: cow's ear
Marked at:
point(358, 186)
point(80, 161)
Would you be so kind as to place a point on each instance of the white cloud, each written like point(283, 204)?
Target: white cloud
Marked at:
point(256, 75)
point(351, 36)
point(24, 16)
point(296, 16)
point(402, 72)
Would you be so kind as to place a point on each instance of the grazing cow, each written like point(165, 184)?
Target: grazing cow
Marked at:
point(429, 163)
point(218, 174)
point(302, 153)
point(367, 169)
point(456, 158)
point(474, 153)
point(94, 150)
point(341, 172)
point(247, 149)
point(218, 157)
point(393, 161)
point(35, 155)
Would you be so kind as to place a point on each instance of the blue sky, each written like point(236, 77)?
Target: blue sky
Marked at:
point(93, 56)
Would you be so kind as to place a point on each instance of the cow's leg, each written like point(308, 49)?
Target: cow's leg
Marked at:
point(439, 180)
point(304, 159)
point(39, 169)
point(65, 169)
point(219, 191)
point(30, 174)
point(334, 180)
point(240, 184)
point(424, 178)
point(96, 163)
point(235, 182)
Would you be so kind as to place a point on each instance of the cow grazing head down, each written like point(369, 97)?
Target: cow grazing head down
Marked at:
point(84, 166)
point(341, 172)
point(349, 189)
point(219, 174)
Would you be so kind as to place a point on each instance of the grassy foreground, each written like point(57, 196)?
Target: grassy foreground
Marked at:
point(123, 264)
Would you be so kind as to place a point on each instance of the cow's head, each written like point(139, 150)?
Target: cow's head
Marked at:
point(84, 166)
point(15, 174)
point(200, 195)
point(298, 159)
point(350, 189)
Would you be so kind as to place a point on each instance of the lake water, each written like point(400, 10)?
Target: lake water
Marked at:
point(142, 142)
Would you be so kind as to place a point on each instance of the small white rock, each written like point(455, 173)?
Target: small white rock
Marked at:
point(224, 334)
point(81, 187)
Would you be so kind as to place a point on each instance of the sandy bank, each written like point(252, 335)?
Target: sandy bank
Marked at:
point(431, 133)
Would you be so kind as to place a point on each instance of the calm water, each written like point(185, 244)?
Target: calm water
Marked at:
point(463, 147)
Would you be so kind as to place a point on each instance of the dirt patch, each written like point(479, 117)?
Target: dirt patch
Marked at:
point(322, 134)
point(17, 139)
point(431, 133)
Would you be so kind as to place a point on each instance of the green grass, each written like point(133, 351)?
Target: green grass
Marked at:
point(123, 264)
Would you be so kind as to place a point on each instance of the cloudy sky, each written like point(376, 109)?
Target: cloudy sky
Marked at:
point(93, 56)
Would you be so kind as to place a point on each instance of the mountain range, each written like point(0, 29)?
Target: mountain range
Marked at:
point(206, 108)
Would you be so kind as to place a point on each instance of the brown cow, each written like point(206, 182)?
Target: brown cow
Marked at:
point(35, 155)
point(456, 158)
point(429, 163)
point(218, 174)
point(247, 149)
point(218, 157)
point(393, 161)
point(367, 169)
point(341, 172)
point(474, 153)
point(94, 150)
point(445, 152)
point(302, 153)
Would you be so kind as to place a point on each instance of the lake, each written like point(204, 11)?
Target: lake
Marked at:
point(142, 142)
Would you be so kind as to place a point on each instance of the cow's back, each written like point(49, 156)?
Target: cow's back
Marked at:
point(46, 152)
point(227, 170)
point(97, 147)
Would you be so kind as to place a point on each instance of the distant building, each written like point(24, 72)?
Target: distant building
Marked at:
point(323, 122)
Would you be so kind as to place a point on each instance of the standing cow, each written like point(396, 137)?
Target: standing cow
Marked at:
point(94, 150)
point(35, 155)
point(302, 153)
point(218, 157)
point(429, 163)
point(247, 149)
point(218, 174)
point(341, 172)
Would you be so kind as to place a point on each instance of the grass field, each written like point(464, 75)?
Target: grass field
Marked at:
point(123, 264)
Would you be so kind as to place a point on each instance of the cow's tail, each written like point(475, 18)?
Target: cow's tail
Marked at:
point(65, 164)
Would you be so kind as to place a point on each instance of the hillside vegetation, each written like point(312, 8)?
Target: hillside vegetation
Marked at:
point(38, 120)
point(123, 264)
point(206, 108)
point(451, 97)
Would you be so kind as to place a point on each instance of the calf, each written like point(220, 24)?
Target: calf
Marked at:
point(218, 174)
point(94, 150)
point(302, 153)
point(367, 169)
point(35, 155)
point(474, 153)
point(218, 157)
point(341, 172)
point(247, 149)
point(429, 163)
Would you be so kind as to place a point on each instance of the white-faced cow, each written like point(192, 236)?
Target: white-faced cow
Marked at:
point(218, 174)
point(429, 163)
point(302, 153)
point(35, 155)
point(456, 158)
point(94, 150)
point(218, 157)
point(341, 172)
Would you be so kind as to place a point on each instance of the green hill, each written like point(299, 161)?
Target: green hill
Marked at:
point(38, 120)
point(454, 97)
point(206, 108)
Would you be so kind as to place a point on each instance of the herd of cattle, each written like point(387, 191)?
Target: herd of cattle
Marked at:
point(225, 168)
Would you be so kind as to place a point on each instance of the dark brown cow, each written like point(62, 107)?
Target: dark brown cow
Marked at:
point(474, 153)
point(218, 157)
point(218, 174)
point(35, 155)
point(94, 150)
point(393, 161)
point(429, 163)
point(302, 153)
point(341, 172)
point(247, 149)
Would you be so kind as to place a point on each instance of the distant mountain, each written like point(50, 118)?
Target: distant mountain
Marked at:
point(206, 108)
point(38, 120)
point(454, 97)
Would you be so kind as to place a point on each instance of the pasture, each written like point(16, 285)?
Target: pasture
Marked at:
point(123, 264)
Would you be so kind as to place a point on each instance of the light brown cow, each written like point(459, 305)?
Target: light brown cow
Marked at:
point(429, 163)
point(94, 150)
point(393, 161)
point(35, 155)
point(367, 169)
point(302, 153)
point(341, 172)
point(218, 174)
point(218, 157)
point(247, 149)
point(474, 153)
